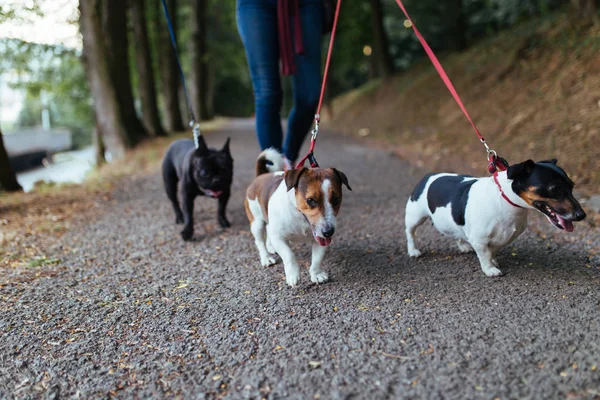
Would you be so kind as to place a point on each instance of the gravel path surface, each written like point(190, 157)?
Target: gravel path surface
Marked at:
point(132, 311)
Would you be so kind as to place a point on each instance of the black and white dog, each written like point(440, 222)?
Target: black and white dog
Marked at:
point(200, 172)
point(484, 215)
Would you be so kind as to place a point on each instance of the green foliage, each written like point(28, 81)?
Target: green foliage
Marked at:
point(233, 89)
point(55, 72)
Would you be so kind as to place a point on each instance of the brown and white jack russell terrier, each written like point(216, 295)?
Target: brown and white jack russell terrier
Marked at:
point(289, 204)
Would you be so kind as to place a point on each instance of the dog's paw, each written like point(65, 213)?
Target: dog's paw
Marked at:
point(267, 261)
point(319, 277)
point(414, 253)
point(292, 279)
point(187, 233)
point(224, 222)
point(270, 248)
point(492, 271)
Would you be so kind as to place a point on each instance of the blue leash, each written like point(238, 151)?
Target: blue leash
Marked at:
point(193, 124)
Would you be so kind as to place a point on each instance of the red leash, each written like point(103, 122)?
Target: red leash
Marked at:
point(310, 156)
point(495, 162)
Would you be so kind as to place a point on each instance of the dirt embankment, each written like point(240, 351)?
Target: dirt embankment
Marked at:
point(533, 91)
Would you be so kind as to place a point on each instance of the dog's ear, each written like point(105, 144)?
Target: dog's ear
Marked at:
point(225, 148)
point(292, 177)
point(522, 169)
point(342, 177)
point(552, 161)
point(202, 147)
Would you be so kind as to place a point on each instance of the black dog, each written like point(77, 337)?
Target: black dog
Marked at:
point(202, 171)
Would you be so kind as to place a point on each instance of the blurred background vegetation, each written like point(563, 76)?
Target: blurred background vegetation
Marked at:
point(372, 44)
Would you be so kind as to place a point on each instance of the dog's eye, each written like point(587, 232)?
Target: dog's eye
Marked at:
point(203, 172)
point(312, 203)
point(554, 190)
point(335, 201)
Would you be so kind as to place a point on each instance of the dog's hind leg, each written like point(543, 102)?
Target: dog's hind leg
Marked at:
point(270, 248)
point(415, 216)
point(464, 247)
point(258, 231)
point(170, 180)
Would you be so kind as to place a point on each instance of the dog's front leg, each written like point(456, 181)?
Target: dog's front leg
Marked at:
point(188, 214)
point(317, 275)
point(486, 259)
point(223, 200)
point(290, 264)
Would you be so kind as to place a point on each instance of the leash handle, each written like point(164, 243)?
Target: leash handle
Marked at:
point(193, 122)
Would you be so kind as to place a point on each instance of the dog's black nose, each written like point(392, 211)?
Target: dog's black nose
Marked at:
point(579, 215)
point(328, 232)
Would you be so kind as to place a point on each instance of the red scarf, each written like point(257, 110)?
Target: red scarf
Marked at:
point(285, 10)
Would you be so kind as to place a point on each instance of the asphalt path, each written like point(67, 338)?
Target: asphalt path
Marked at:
point(132, 311)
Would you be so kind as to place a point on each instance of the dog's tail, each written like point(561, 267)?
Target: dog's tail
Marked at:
point(270, 160)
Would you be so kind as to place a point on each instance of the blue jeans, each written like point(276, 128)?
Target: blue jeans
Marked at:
point(257, 25)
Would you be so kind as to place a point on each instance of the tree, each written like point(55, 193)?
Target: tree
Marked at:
point(147, 87)
point(200, 68)
point(109, 120)
point(384, 64)
point(170, 82)
point(8, 179)
point(114, 21)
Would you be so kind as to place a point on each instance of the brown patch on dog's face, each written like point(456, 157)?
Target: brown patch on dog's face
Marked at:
point(318, 198)
point(311, 200)
point(563, 205)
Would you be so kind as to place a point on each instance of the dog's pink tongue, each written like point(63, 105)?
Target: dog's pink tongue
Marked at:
point(568, 225)
point(323, 241)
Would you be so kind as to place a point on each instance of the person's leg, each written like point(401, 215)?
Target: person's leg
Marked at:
point(257, 25)
point(306, 83)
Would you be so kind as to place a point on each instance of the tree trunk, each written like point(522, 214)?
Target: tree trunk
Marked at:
point(170, 81)
point(106, 104)
point(8, 179)
point(200, 68)
point(114, 21)
point(381, 52)
point(147, 88)
point(100, 149)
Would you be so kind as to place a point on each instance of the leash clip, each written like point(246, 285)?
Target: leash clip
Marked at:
point(196, 132)
point(315, 130)
point(496, 163)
